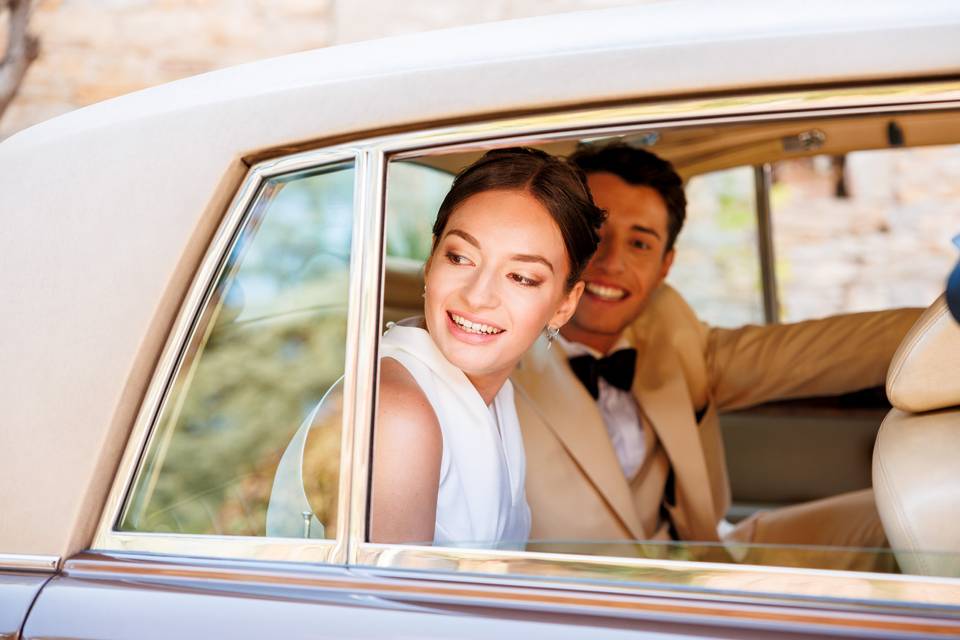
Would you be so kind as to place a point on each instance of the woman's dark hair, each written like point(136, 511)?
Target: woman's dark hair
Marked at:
point(639, 167)
point(556, 184)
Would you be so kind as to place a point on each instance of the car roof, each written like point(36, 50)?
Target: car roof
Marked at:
point(107, 210)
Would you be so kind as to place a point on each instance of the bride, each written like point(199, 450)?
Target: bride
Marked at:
point(510, 241)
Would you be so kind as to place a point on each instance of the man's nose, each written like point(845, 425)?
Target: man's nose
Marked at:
point(609, 256)
point(480, 292)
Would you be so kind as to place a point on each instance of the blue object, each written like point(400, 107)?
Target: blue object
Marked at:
point(953, 287)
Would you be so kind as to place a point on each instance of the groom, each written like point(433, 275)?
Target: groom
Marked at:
point(628, 446)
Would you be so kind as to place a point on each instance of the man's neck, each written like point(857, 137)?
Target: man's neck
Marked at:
point(600, 342)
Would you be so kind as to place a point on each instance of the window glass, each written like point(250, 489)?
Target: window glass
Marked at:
point(866, 231)
point(717, 267)
point(269, 345)
point(414, 193)
point(717, 270)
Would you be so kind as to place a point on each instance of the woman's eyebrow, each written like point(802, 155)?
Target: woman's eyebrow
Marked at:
point(463, 234)
point(526, 257)
point(520, 257)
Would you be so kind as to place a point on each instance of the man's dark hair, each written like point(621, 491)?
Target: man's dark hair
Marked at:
point(557, 184)
point(641, 168)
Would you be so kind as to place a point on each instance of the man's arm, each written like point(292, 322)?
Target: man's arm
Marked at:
point(832, 356)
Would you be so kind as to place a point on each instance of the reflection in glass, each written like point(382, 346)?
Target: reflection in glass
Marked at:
point(270, 342)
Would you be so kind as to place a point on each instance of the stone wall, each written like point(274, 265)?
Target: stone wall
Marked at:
point(97, 49)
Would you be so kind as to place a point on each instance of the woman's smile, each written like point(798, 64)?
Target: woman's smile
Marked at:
point(471, 329)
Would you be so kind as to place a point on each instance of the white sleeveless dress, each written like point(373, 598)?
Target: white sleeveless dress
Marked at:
point(481, 500)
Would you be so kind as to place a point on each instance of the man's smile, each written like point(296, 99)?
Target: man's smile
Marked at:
point(605, 292)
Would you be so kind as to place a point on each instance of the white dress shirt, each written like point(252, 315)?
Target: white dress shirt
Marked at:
point(619, 410)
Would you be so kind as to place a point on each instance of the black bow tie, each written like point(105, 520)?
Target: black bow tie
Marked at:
point(616, 368)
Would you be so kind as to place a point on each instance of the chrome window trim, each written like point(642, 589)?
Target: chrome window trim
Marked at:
point(371, 156)
point(762, 177)
point(216, 546)
point(28, 562)
point(700, 579)
point(365, 305)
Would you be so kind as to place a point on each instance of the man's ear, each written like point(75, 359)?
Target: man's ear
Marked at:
point(568, 306)
point(666, 263)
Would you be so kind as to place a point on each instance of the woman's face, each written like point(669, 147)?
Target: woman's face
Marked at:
point(495, 280)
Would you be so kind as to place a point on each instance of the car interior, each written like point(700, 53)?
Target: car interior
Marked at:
point(777, 454)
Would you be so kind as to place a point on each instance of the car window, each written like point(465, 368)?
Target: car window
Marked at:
point(268, 346)
point(717, 266)
point(414, 193)
point(867, 230)
point(718, 271)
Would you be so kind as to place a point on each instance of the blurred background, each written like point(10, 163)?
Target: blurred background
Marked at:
point(91, 50)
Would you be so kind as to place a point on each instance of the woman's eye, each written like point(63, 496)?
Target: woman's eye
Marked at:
point(455, 258)
point(639, 244)
point(523, 280)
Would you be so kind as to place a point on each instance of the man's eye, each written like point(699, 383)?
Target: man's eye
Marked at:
point(456, 258)
point(523, 280)
point(639, 244)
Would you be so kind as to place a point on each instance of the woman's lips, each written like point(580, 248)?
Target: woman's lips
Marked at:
point(472, 331)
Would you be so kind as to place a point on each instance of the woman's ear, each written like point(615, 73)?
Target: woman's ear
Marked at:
point(568, 305)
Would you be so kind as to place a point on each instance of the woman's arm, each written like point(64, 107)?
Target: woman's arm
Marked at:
point(407, 448)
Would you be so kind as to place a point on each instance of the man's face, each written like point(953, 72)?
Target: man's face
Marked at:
point(629, 264)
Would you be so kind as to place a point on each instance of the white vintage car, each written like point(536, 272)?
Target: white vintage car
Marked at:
point(188, 269)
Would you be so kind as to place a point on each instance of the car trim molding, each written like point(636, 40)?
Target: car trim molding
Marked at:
point(419, 588)
point(31, 563)
point(621, 573)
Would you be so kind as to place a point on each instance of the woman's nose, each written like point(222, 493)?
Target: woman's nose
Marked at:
point(480, 292)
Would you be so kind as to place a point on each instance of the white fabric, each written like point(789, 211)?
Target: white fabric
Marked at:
point(289, 514)
point(619, 411)
point(481, 500)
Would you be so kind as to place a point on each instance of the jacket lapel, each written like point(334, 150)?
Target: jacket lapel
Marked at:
point(559, 399)
point(664, 400)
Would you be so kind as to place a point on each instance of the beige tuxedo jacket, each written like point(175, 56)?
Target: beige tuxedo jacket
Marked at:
point(575, 486)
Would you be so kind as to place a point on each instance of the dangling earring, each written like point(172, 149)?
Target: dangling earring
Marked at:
point(552, 333)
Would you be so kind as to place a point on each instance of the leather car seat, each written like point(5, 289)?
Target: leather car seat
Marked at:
point(916, 460)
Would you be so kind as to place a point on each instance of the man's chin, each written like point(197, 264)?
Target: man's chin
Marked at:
point(599, 326)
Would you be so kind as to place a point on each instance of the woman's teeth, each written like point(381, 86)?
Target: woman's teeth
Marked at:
point(474, 327)
point(607, 293)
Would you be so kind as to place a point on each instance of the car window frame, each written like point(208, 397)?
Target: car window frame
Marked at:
point(371, 156)
point(176, 355)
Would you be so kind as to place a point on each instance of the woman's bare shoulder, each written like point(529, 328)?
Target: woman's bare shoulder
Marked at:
point(403, 406)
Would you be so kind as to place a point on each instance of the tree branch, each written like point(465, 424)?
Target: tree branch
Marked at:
point(22, 49)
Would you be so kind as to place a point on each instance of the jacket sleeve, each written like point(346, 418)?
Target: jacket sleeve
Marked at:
point(831, 356)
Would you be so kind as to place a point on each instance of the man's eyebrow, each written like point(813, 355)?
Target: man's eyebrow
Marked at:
point(643, 229)
point(463, 234)
point(526, 257)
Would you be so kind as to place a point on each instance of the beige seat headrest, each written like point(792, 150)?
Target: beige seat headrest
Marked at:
point(924, 374)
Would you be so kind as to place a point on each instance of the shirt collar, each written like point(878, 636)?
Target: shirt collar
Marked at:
point(573, 349)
